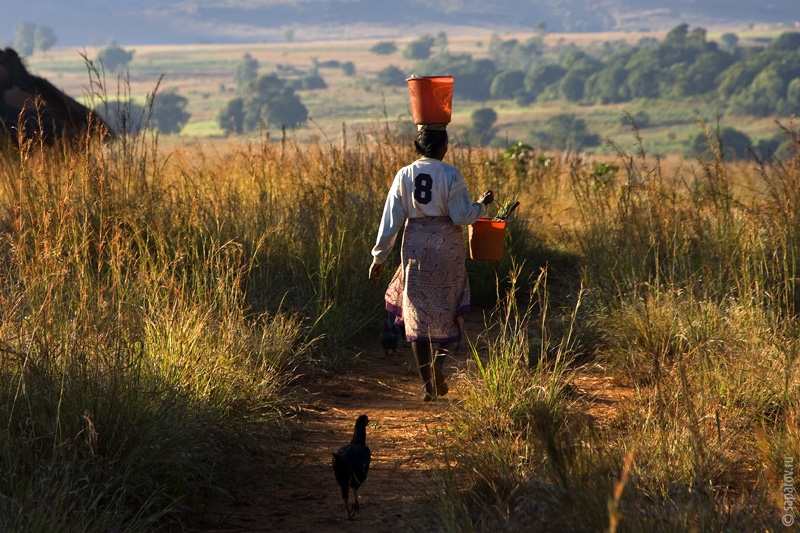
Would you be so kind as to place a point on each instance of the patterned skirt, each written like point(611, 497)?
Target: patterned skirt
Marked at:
point(429, 293)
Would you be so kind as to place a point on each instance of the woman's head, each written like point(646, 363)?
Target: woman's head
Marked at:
point(431, 143)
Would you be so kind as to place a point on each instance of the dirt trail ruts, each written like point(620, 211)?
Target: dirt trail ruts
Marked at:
point(293, 489)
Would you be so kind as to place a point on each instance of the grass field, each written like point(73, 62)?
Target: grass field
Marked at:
point(162, 295)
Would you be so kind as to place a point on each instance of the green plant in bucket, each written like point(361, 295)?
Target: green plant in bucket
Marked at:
point(505, 209)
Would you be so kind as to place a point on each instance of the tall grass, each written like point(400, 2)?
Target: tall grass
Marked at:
point(156, 304)
point(689, 302)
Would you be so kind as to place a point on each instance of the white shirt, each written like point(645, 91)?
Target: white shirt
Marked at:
point(425, 188)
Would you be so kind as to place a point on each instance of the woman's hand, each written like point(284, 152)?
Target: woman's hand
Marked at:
point(375, 271)
point(486, 198)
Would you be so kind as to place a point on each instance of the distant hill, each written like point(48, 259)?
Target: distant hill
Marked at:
point(88, 22)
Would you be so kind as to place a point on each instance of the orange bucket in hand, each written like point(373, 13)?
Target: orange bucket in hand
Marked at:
point(486, 239)
point(431, 99)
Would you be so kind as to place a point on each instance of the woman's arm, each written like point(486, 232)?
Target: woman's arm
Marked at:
point(392, 220)
point(462, 209)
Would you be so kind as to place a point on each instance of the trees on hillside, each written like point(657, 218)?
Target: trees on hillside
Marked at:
point(684, 64)
point(539, 77)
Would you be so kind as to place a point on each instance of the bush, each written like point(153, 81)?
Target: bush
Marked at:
point(124, 117)
point(169, 113)
point(286, 109)
point(475, 79)
point(607, 86)
point(730, 142)
point(246, 70)
point(43, 38)
point(383, 48)
point(566, 132)
point(24, 41)
point(312, 81)
point(541, 76)
point(112, 57)
point(420, 48)
point(391, 76)
point(231, 117)
point(481, 126)
point(507, 84)
point(729, 41)
point(640, 119)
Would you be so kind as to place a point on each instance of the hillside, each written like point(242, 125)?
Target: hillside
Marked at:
point(87, 22)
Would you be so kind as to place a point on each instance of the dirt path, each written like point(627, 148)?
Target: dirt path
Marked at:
point(302, 494)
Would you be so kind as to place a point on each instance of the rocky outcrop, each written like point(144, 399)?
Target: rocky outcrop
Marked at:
point(33, 108)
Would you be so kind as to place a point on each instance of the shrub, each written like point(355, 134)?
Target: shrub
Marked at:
point(231, 117)
point(540, 76)
point(312, 81)
point(44, 38)
point(566, 132)
point(246, 70)
point(113, 58)
point(481, 126)
point(24, 38)
point(639, 119)
point(126, 117)
point(169, 113)
point(507, 84)
point(730, 142)
point(391, 76)
point(383, 48)
point(419, 48)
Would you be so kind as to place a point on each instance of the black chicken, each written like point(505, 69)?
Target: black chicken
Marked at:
point(390, 335)
point(351, 464)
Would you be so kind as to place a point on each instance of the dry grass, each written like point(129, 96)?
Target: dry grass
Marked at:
point(157, 299)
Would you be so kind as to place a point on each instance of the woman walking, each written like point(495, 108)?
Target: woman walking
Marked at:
point(429, 293)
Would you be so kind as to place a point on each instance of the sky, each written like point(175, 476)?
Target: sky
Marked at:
point(93, 22)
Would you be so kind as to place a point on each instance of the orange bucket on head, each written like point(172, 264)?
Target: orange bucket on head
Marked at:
point(486, 239)
point(431, 99)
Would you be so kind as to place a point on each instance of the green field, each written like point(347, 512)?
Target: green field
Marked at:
point(204, 75)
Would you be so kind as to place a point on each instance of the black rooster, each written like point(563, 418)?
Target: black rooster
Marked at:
point(351, 464)
point(390, 334)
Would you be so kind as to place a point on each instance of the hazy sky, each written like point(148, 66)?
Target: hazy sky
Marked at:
point(90, 22)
